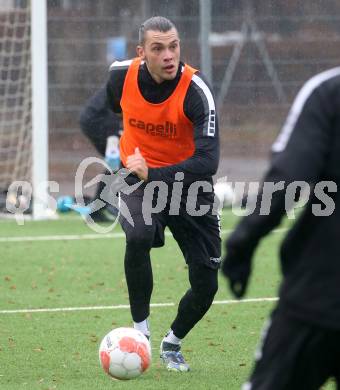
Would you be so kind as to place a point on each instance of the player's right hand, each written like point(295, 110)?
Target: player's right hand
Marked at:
point(237, 271)
point(136, 164)
point(236, 265)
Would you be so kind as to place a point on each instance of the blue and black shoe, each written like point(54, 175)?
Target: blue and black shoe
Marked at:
point(172, 357)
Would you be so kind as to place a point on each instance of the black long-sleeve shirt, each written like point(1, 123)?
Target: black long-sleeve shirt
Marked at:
point(307, 149)
point(198, 106)
point(97, 121)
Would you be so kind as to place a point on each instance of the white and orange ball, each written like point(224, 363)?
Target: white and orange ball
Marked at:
point(125, 353)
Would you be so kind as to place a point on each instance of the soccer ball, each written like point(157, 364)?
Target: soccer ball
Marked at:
point(224, 193)
point(125, 353)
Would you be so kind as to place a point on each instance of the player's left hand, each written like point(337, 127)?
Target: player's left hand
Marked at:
point(137, 165)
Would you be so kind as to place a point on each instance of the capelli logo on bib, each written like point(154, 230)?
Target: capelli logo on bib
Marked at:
point(166, 130)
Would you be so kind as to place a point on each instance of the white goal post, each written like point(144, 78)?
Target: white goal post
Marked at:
point(39, 107)
point(24, 99)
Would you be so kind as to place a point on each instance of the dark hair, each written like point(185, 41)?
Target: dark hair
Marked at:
point(156, 23)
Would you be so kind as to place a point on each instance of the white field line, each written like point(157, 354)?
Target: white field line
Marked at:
point(94, 236)
point(117, 307)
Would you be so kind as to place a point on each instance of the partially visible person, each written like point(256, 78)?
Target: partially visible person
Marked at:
point(103, 128)
point(301, 345)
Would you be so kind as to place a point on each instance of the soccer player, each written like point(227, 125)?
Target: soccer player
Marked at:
point(301, 345)
point(170, 136)
point(99, 124)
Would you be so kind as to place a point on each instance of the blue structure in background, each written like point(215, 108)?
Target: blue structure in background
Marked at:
point(116, 49)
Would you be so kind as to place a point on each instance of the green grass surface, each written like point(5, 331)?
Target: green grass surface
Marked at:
point(59, 350)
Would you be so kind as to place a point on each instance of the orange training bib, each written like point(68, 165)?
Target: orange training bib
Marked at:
point(161, 131)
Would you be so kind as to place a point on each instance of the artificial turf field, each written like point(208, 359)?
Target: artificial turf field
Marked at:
point(64, 265)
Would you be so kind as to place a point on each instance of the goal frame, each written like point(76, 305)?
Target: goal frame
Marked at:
point(39, 108)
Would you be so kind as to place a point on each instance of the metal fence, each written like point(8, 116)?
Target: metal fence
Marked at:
point(261, 53)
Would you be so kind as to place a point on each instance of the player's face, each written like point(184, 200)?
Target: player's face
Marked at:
point(161, 52)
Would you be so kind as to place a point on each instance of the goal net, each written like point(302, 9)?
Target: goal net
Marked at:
point(18, 154)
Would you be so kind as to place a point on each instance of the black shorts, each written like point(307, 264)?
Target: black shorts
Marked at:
point(198, 237)
point(294, 355)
